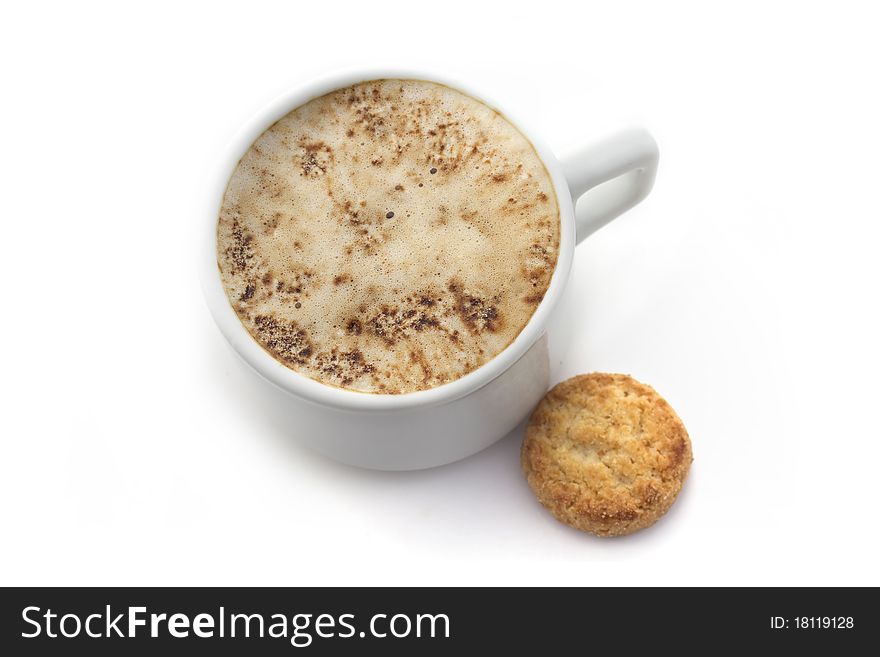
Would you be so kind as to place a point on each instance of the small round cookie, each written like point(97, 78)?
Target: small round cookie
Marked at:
point(605, 454)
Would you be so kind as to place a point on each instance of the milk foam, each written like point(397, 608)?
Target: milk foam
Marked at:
point(388, 237)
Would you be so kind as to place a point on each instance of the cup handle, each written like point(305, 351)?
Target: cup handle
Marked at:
point(618, 172)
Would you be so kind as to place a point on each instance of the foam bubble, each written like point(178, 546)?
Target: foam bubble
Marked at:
point(388, 237)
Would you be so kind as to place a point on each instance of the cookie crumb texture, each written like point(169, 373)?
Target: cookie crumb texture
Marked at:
point(606, 454)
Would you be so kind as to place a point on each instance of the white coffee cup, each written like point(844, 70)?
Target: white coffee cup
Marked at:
point(452, 421)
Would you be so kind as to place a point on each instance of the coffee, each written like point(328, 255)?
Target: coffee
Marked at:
point(388, 237)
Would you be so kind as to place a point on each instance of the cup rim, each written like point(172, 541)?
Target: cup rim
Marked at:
point(340, 398)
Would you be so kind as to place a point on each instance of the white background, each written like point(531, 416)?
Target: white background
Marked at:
point(745, 290)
